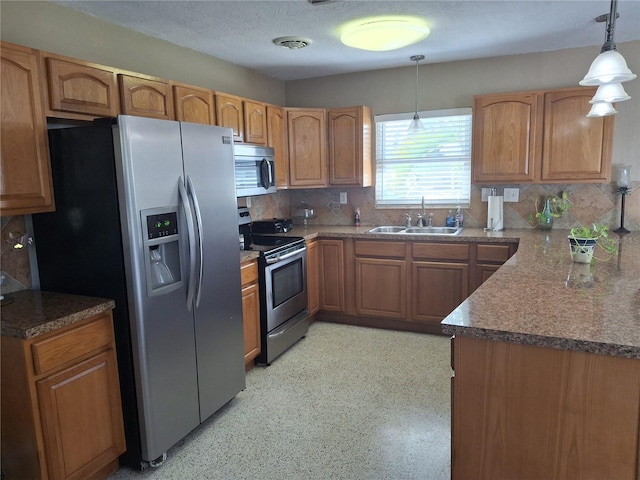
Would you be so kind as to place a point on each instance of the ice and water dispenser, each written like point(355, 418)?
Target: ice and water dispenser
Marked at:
point(161, 250)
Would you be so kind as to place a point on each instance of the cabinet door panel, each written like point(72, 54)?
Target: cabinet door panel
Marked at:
point(146, 97)
point(255, 123)
point(437, 288)
point(313, 286)
point(381, 287)
point(575, 147)
point(78, 88)
point(332, 275)
point(81, 399)
point(194, 105)
point(25, 172)
point(229, 114)
point(251, 321)
point(277, 139)
point(505, 138)
point(307, 148)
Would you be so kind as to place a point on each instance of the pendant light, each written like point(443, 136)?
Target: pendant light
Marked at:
point(608, 71)
point(416, 124)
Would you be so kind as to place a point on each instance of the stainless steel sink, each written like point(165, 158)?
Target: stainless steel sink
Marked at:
point(433, 230)
point(386, 229)
point(417, 230)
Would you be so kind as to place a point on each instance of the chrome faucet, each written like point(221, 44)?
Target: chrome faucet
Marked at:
point(420, 222)
point(407, 220)
point(430, 221)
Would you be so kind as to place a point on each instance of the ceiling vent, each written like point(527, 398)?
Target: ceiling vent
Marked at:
point(292, 43)
point(320, 2)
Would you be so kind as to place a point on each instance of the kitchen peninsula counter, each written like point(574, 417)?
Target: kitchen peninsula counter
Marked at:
point(34, 312)
point(539, 296)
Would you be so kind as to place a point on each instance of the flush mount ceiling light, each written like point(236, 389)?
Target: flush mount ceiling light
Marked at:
point(609, 69)
point(384, 33)
point(416, 124)
point(292, 43)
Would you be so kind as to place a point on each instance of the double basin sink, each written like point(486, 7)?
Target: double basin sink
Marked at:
point(417, 230)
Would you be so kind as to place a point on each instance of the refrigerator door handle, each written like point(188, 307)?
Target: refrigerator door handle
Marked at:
point(186, 205)
point(196, 208)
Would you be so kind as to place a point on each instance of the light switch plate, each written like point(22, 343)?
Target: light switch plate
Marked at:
point(485, 194)
point(343, 198)
point(511, 194)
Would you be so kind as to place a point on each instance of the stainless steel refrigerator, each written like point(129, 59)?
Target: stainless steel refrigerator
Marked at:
point(146, 214)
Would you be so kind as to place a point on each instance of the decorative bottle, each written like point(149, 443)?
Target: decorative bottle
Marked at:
point(356, 218)
point(459, 217)
point(545, 218)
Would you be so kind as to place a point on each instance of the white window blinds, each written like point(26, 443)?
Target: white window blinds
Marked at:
point(434, 162)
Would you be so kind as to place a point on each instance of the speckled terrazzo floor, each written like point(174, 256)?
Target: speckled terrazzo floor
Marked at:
point(344, 403)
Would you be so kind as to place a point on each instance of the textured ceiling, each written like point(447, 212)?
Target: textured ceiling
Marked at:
point(241, 31)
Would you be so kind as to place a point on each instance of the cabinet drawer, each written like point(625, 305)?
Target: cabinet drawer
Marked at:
point(380, 249)
point(249, 272)
point(441, 251)
point(55, 351)
point(493, 253)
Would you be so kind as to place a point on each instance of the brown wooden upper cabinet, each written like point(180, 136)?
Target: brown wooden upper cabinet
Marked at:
point(575, 147)
point(229, 113)
point(255, 122)
point(81, 88)
point(540, 137)
point(194, 104)
point(307, 147)
point(25, 171)
point(145, 96)
point(350, 146)
point(277, 139)
point(505, 138)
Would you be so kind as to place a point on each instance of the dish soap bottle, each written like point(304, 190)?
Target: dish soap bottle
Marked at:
point(356, 218)
point(459, 218)
point(450, 221)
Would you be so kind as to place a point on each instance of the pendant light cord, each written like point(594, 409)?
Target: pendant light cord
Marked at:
point(609, 43)
point(416, 58)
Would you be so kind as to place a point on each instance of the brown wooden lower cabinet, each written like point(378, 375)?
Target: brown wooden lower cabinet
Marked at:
point(61, 410)
point(437, 288)
point(250, 311)
point(332, 275)
point(313, 291)
point(529, 413)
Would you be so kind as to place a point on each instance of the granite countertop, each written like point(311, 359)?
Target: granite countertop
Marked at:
point(540, 296)
point(34, 312)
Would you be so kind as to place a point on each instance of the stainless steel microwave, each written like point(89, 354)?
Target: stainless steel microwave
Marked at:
point(255, 170)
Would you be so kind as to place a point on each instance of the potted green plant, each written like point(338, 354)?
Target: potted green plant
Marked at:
point(584, 240)
point(548, 208)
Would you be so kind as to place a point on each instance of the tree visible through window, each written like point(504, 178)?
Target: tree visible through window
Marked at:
point(434, 162)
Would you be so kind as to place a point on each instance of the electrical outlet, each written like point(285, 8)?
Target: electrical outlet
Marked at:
point(485, 193)
point(343, 198)
point(511, 194)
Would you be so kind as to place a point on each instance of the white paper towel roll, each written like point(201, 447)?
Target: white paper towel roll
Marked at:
point(495, 220)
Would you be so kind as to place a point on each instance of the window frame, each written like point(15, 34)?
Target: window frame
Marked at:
point(463, 201)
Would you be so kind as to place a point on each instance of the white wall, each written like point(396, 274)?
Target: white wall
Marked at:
point(54, 28)
point(452, 85)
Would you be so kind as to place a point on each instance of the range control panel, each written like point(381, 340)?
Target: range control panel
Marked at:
point(162, 225)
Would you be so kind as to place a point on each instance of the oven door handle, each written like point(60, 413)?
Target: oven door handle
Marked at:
point(271, 261)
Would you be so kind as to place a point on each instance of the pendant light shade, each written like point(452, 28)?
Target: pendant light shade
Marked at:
point(608, 71)
point(416, 124)
point(611, 92)
point(601, 109)
point(608, 67)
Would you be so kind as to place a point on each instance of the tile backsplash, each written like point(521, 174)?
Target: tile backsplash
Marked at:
point(598, 203)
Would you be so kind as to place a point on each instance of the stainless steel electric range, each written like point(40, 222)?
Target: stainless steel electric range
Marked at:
point(284, 318)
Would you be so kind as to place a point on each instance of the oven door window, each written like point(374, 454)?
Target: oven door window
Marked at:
point(287, 282)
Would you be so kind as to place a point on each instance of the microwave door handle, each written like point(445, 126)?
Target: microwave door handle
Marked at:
point(196, 208)
point(270, 165)
point(191, 234)
point(265, 174)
